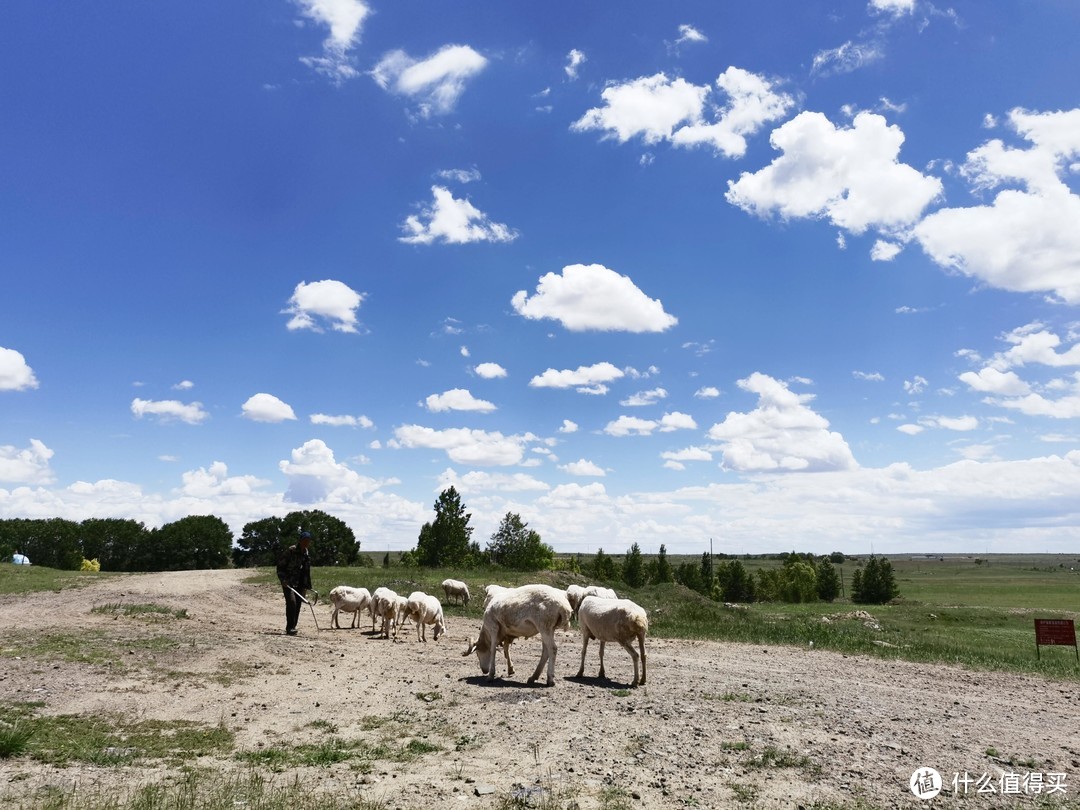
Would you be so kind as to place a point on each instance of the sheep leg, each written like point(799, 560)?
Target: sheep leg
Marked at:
point(626, 645)
point(584, 647)
point(641, 644)
point(601, 660)
point(546, 657)
point(506, 655)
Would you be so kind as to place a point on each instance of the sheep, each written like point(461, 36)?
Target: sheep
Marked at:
point(374, 605)
point(455, 589)
point(522, 613)
point(349, 600)
point(388, 606)
point(618, 620)
point(575, 593)
point(425, 610)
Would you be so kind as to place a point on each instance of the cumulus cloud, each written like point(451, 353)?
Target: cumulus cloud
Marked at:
point(583, 468)
point(215, 482)
point(635, 426)
point(592, 297)
point(687, 33)
point(1026, 240)
point(169, 410)
point(341, 421)
point(15, 374)
point(457, 399)
point(781, 434)
point(870, 376)
point(884, 251)
point(656, 108)
point(479, 481)
point(327, 301)
point(568, 426)
point(344, 18)
point(586, 379)
point(850, 176)
point(490, 371)
point(459, 175)
point(642, 398)
point(847, 58)
point(266, 408)
point(435, 83)
point(707, 392)
point(991, 381)
point(896, 8)
point(26, 465)
point(315, 476)
point(452, 221)
point(465, 446)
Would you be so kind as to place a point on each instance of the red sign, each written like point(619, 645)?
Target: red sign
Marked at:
point(1055, 631)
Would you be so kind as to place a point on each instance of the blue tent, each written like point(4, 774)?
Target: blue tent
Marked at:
point(20, 559)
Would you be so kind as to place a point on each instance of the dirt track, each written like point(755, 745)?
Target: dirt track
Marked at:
point(719, 725)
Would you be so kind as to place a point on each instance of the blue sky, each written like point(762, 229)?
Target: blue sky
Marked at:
point(779, 275)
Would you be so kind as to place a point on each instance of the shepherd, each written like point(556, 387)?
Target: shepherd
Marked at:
point(294, 574)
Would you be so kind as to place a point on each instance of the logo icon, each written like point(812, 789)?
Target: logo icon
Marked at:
point(925, 783)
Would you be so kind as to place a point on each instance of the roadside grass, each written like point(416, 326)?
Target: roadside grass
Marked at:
point(87, 647)
point(141, 611)
point(16, 579)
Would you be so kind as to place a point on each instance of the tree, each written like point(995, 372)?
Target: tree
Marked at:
point(259, 543)
point(736, 585)
point(192, 543)
point(53, 542)
point(514, 545)
point(660, 570)
point(603, 567)
point(707, 573)
point(444, 543)
point(875, 584)
point(689, 575)
point(633, 570)
point(113, 542)
point(333, 543)
point(828, 581)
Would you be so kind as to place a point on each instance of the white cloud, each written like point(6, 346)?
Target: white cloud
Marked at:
point(477, 481)
point(454, 222)
point(687, 33)
point(582, 467)
point(642, 398)
point(344, 18)
point(459, 175)
point(707, 392)
point(574, 60)
point(457, 399)
point(184, 385)
point(676, 421)
point(266, 408)
point(632, 425)
point(329, 300)
point(28, 465)
point(687, 454)
point(782, 434)
point(656, 108)
point(871, 376)
point(1066, 406)
point(170, 409)
point(958, 423)
point(1026, 240)
point(568, 426)
point(316, 477)
point(910, 429)
point(587, 379)
point(15, 374)
point(849, 176)
point(846, 58)
point(896, 8)
point(992, 381)
point(490, 371)
point(916, 385)
point(591, 296)
point(1034, 344)
point(215, 482)
point(464, 446)
point(435, 83)
point(341, 421)
point(884, 251)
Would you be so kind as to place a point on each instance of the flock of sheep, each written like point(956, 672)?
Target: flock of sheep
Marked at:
point(509, 613)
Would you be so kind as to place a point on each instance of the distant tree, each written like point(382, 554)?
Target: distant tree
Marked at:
point(660, 570)
point(708, 573)
point(837, 557)
point(333, 543)
point(192, 543)
point(52, 542)
point(828, 581)
point(875, 584)
point(444, 543)
point(603, 567)
point(633, 569)
point(113, 542)
point(689, 575)
point(736, 585)
point(514, 545)
point(386, 560)
point(259, 543)
point(799, 581)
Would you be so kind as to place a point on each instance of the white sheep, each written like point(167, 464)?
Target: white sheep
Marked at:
point(424, 610)
point(575, 593)
point(388, 606)
point(456, 589)
point(618, 620)
point(374, 606)
point(522, 613)
point(349, 600)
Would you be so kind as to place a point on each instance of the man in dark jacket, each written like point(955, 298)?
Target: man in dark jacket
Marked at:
point(294, 572)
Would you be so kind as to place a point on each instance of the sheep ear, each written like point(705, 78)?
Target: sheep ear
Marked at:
point(472, 646)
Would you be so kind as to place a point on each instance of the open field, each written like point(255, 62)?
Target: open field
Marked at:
point(179, 690)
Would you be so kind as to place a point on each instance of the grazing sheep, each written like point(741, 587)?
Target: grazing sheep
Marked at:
point(374, 606)
point(388, 606)
point(424, 610)
point(491, 591)
point(456, 589)
point(618, 620)
point(349, 600)
point(522, 613)
point(575, 593)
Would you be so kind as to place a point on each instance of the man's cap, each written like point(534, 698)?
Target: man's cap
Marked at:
point(305, 535)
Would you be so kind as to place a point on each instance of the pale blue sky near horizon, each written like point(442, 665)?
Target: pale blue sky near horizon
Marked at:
point(779, 275)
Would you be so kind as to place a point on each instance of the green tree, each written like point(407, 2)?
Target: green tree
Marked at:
point(53, 542)
point(736, 585)
point(633, 570)
point(514, 545)
point(113, 542)
point(259, 543)
point(828, 581)
point(689, 575)
point(332, 541)
point(660, 570)
point(799, 582)
point(603, 567)
point(444, 543)
point(192, 543)
point(875, 584)
point(707, 573)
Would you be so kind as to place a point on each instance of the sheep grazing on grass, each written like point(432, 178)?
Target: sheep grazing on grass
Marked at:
point(575, 593)
point(456, 589)
point(377, 596)
point(348, 600)
point(424, 610)
point(390, 607)
point(618, 620)
point(522, 613)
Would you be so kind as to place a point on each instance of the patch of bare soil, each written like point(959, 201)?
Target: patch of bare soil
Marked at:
point(718, 725)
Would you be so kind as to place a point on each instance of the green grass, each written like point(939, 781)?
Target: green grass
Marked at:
point(147, 611)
